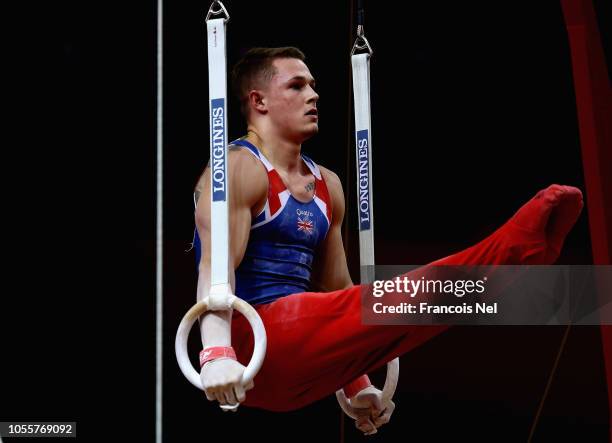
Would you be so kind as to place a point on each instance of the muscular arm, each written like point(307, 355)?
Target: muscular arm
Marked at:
point(330, 271)
point(247, 189)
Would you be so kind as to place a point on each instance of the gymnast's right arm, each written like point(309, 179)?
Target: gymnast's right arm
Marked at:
point(247, 188)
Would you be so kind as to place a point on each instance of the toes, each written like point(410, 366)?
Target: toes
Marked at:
point(573, 194)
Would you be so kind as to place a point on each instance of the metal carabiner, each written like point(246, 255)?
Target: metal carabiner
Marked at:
point(365, 45)
point(221, 10)
point(361, 37)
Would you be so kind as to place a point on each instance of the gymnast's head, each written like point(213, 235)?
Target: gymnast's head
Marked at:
point(277, 92)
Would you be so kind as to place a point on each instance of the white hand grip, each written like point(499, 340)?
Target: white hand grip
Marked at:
point(387, 393)
point(259, 333)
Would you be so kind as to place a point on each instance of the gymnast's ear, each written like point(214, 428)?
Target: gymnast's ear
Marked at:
point(257, 101)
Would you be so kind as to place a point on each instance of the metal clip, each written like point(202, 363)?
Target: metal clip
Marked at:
point(221, 10)
point(361, 38)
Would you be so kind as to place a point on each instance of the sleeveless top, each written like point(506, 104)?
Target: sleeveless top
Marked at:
point(283, 238)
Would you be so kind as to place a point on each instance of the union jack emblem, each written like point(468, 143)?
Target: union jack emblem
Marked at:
point(305, 225)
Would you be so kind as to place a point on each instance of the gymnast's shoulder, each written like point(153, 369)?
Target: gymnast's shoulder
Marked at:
point(246, 173)
point(334, 186)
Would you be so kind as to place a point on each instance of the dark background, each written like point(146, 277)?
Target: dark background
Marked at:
point(473, 112)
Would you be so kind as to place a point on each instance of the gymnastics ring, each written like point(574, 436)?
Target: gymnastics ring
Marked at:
point(387, 393)
point(259, 333)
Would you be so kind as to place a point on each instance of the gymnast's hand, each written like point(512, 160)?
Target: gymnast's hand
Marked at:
point(372, 410)
point(222, 381)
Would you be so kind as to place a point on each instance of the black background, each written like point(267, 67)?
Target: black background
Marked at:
point(473, 112)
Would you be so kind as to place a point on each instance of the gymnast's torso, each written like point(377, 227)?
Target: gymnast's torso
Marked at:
point(284, 235)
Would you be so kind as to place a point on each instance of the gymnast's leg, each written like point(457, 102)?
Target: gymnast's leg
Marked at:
point(317, 342)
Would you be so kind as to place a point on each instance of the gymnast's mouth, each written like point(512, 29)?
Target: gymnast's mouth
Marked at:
point(313, 111)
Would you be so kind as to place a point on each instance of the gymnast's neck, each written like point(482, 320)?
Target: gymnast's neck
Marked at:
point(282, 151)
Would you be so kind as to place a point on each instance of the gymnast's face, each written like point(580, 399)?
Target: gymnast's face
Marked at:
point(292, 100)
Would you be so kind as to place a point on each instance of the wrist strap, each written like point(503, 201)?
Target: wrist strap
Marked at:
point(357, 385)
point(216, 352)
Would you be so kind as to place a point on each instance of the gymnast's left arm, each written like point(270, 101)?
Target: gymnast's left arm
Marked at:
point(330, 273)
point(330, 270)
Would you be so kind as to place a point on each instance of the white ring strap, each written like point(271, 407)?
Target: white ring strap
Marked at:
point(363, 153)
point(220, 296)
point(365, 201)
point(219, 213)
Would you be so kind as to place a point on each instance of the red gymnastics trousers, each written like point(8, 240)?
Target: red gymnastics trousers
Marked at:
point(317, 343)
